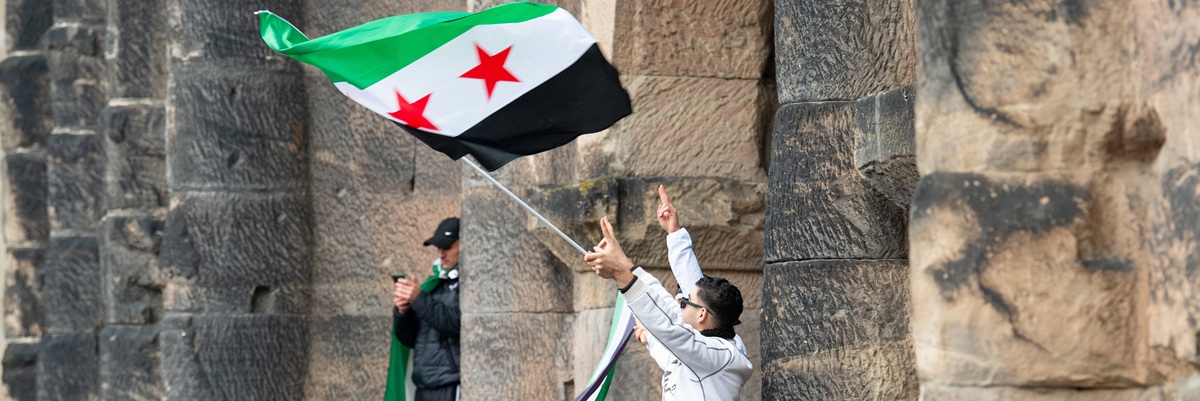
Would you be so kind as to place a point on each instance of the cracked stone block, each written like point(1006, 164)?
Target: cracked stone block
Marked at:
point(68, 367)
point(135, 171)
point(348, 356)
point(843, 49)
point(79, 10)
point(136, 49)
point(23, 276)
point(77, 74)
point(27, 115)
point(71, 297)
point(130, 363)
point(242, 357)
point(885, 143)
point(20, 371)
point(26, 218)
point(75, 174)
point(710, 39)
point(534, 363)
point(818, 205)
point(26, 22)
point(129, 258)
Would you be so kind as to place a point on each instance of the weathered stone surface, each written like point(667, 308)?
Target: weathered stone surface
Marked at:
point(717, 132)
point(75, 174)
point(1009, 263)
point(136, 49)
point(26, 21)
point(503, 263)
point(67, 367)
point(25, 112)
point(819, 205)
point(874, 371)
point(711, 39)
point(540, 370)
point(76, 59)
point(572, 6)
point(129, 258)
point(322, 17)
point(207, 357)
point(354, 150)
point(71, 297)
point(258, 142)
point(135, 172)
point(843, 49)
point(348, 357)
point(23, 292)
point(130, 363)
point(79, 10)
point(20, 371)
point(817, 306)
point(219, 250)
point(934, 392)
point(25, 216)
point(885, 143)
point(214, 34)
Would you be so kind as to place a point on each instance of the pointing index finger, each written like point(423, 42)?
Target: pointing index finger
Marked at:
point(662, 195)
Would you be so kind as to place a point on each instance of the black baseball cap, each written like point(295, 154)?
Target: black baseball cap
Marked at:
point(446, 234)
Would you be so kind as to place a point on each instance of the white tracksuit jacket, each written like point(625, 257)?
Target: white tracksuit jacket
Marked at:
point(697, 367)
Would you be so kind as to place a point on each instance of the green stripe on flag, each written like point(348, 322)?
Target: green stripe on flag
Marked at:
point(367, 53)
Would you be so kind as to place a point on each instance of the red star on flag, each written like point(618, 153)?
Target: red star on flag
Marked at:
point(413, 114)
point(491, 69)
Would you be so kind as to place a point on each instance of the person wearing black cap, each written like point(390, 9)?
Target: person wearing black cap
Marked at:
point(426, 319)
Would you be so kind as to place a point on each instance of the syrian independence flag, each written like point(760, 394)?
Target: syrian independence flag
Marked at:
point(514, 80)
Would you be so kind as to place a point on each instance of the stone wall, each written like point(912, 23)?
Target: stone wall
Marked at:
point(1054, 225)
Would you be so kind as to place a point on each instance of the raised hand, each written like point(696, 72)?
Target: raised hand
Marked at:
point(667, 218)
point(405, 292)
point(607, 259)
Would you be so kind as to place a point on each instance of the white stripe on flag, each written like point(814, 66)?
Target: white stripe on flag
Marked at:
point(541, 48)
point(623, 323)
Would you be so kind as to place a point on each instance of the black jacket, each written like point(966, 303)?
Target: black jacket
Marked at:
point(430, 328)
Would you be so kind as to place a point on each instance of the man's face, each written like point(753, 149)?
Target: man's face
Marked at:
point(691, 313)
point(449, 255)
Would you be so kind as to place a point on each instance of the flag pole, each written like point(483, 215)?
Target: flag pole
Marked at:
point(485, 174)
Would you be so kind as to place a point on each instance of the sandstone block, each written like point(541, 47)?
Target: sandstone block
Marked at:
point(872, 371)
point(135, 169)
point(23, 274)
point(718, 132)
point(355, 150)
point(710, 39)
point(817, 306)
point(885, 143)
point(573, 6)
point(215, 35)
point(437, 175)
point(323, 17)
point(20, 371)
point(248, 252)
point(1008, 263)
point(129, 259)
point(208, 357)
point(820, 206)
point(26, 21)
point(25, 198)
point(130, 363)
point(348, 357)
point(516, 356)
point(939, 393)
point(71, 297)
point(503, 263)
point(67, 367)
point(79, 10)
point(258, 142)
point(75, 174)
point(26, 111)
point(76, 60)
point(843, 49)
point(136, 49)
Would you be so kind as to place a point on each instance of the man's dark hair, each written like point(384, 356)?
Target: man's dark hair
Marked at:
point(724, 300)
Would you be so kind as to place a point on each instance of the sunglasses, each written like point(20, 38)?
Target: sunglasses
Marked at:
point(684, 302)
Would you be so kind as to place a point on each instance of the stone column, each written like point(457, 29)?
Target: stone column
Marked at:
point(133, 128)
point(236, 249)
point(25, 122)
point(1053, 234)
point(835, 318)
point(377, 194)
point(68, 364)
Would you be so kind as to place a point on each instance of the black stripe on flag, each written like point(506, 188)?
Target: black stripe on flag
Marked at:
point(584, 98)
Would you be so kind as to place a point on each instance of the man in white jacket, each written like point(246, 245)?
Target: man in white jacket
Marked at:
point(705, 365)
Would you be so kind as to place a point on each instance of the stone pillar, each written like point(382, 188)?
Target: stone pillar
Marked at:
point(835, 319)
point(377, 194)
point(25, 122)
point(68, 364)
point(236, 250)
point(133, 128)
point(1053, 234)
